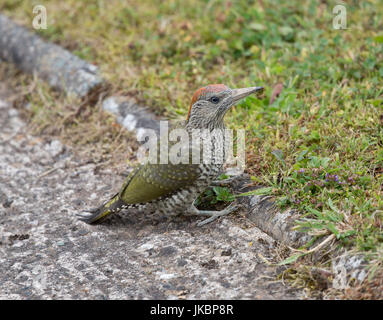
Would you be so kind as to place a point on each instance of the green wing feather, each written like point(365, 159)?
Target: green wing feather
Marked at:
point(149, 181)
point(152, 181)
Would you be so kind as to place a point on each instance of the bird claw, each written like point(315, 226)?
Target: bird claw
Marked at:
point(216, 214)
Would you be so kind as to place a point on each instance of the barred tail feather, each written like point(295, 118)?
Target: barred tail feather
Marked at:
point(95, 215)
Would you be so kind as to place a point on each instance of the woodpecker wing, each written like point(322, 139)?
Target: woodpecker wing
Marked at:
point(149, 182)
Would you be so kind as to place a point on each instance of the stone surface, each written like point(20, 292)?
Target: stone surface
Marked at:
point(60, 68)
point(132, 116)
point(46, 253)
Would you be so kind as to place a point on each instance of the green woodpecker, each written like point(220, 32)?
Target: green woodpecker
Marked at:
point(171, 188)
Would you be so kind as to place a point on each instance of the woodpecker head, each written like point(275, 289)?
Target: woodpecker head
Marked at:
point(210, 104)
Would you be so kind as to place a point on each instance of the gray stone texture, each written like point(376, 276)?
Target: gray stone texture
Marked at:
point(61, 69)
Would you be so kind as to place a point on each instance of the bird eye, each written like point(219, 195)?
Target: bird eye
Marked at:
point(214, 99)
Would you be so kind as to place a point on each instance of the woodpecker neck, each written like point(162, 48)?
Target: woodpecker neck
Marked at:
point(195, 122)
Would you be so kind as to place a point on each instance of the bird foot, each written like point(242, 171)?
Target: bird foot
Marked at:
point(213, 215)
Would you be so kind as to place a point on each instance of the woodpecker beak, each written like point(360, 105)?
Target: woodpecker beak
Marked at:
point(238, 94)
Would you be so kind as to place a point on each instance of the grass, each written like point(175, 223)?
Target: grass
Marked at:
point(316, 142)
